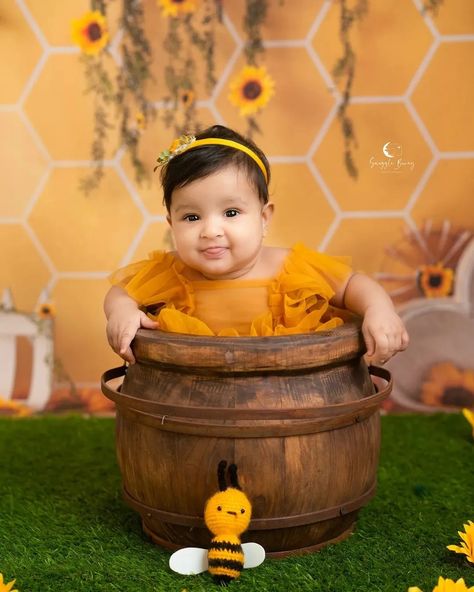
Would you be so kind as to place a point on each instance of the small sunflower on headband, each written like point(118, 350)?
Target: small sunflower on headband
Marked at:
point(178, 146)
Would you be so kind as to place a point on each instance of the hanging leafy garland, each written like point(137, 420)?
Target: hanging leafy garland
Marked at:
point(91, 34)
point(180, 72)
point(252, 87)
point(134, 109)
point(345, 68)
point(126, 94)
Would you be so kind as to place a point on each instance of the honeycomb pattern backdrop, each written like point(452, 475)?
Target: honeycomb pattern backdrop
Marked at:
point(413, 87)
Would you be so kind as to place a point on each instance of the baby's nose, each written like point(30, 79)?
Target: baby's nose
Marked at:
point(211, 228)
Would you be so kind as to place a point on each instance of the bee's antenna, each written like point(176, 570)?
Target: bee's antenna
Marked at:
point(221, 475)
point(234, 481)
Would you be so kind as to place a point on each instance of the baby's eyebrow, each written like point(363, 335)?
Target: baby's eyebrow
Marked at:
point(188, 207)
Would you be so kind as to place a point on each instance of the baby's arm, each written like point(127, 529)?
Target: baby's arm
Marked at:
point(383, 330)
point(124, 318)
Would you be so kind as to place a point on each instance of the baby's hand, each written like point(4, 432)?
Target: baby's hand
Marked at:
point(122, 328)
point(384, 334)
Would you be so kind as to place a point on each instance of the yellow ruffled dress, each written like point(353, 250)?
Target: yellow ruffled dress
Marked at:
point(295, 301)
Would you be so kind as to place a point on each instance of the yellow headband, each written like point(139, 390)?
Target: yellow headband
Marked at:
point(184, 143)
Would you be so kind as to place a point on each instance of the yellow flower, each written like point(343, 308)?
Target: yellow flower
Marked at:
point(448, 385)
point(176, 7)
point(46, 311)
point(251, 89)
point(187, 97)
point(178, 146)
point(467, 544)
point(6, 587)
point(435, 281)
point(140, 120)
point(446, 586)
point(16, 408)
point(469, 415)
point(90, 32)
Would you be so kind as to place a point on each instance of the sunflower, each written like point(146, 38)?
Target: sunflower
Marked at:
point(90, 32)
point(424, 263)
point(435, 281)
point(6, 587)
point(13, 408)
point(46, 311)
point(448, 385)
point(467, 544)
point(446, 586)
point(251, 89)
point(177, 7)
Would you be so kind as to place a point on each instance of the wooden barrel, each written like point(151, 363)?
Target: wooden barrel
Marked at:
point(297, 414)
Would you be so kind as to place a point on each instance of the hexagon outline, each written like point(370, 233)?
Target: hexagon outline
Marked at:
point(35, 28)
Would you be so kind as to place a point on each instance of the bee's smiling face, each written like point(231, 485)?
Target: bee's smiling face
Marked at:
point(228, 512)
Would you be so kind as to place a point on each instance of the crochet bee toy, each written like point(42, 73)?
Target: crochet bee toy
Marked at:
point(227, 515)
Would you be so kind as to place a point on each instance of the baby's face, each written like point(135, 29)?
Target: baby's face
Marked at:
point(218, 224)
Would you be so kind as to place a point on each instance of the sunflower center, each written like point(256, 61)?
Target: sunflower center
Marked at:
point(94, 32)
point(252, 90)
point(457, 396)
point(435, 280)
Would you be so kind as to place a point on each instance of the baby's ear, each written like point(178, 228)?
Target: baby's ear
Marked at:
point(267, 213)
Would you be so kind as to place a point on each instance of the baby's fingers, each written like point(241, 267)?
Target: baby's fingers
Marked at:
point(146, 322)
point(128, 356)
point(382, 348)
point(405, 340)
point(369, 341)
point(124, 346)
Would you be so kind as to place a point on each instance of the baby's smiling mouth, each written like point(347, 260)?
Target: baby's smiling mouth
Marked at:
point(214, 251)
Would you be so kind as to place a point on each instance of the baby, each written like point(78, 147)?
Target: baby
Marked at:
point(221, 280)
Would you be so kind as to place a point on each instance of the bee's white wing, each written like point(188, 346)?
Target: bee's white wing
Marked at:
point(189, 561)
point(254, 555)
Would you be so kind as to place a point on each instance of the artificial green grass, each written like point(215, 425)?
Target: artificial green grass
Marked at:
point(64, 527)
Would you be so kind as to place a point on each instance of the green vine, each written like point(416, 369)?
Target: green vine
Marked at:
point(126, 94)
point(131, 81)
point(255, 15)
point(180, 73)
point(101, 86)
point(431, 6)
point(345, 67)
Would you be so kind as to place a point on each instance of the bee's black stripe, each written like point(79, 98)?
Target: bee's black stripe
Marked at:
point(225, 546)
point(226, 563)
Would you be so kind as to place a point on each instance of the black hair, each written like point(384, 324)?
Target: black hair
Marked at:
point(202, 161)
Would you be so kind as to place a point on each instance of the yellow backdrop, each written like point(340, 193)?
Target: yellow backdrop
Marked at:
point(413, 88)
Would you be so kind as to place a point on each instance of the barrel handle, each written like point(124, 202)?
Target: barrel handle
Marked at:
point(236, 413)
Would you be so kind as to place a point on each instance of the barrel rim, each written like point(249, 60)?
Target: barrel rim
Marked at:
point(250, 354)
point(192, 419)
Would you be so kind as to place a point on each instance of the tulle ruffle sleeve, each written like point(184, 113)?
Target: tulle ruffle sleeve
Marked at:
point(299, 298)
point(155, 281)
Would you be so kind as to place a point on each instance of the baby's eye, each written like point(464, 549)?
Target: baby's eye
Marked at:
point(231, 213)
point(242, 511)
point(191, 217)
point(219, 508)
